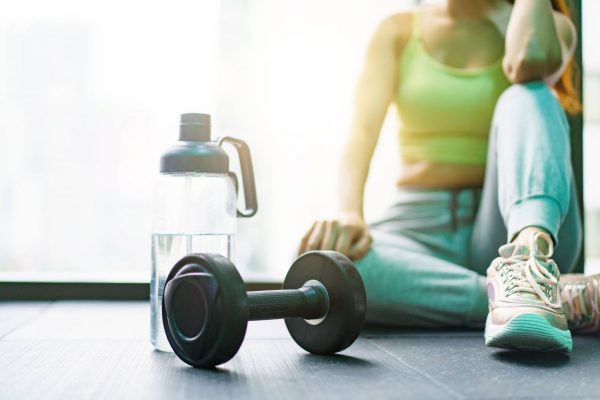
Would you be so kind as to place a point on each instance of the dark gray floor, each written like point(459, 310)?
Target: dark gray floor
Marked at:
point(81, 350)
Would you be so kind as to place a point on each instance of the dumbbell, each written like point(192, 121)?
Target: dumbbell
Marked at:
point(206, 307)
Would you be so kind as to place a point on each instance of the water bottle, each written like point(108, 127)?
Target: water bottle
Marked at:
point(195, 206)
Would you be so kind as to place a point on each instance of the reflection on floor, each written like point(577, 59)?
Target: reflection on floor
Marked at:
point(100, 350)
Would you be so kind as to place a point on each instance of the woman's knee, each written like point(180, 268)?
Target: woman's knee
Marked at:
point(384, 275)
point(384, 280)
point(527, 99)
point(525, 92)
point(529, 113)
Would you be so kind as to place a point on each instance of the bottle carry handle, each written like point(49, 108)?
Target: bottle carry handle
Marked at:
point(251, 204)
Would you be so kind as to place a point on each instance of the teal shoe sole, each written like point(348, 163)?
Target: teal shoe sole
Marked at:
point(530, 332)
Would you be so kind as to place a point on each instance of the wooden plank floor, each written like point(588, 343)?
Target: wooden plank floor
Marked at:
point(99, 350)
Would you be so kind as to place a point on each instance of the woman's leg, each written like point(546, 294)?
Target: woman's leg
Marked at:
point(529, 186)
point(413, 273)
point(529, 178)
point(528, 183)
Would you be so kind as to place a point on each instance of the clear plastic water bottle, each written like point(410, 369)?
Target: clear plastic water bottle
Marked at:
point(195, 206)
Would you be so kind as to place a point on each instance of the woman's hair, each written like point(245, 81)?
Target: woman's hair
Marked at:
point(567, 86)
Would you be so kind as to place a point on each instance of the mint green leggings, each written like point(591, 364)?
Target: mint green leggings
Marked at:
point(431, 248)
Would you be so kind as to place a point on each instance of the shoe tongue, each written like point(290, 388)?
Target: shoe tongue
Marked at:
point(519, 249)
point(513, 249)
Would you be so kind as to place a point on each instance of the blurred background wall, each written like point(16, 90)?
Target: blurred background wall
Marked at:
point(90, 95)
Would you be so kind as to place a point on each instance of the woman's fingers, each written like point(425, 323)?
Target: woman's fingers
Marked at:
point(360, 248)
point(344, 241)
point(304, 240)
point(330, 235)
point(349, 238)
point(315, 238)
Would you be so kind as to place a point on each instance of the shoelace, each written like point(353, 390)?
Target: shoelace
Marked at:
point(580, 299)
point(526, 275)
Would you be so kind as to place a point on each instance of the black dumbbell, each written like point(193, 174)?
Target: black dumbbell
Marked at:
point(206, 308)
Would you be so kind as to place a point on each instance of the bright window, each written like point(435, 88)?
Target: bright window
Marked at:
point(591, 134)
point(90, 94)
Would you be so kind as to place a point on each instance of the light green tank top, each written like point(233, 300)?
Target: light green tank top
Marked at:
point(445, 112)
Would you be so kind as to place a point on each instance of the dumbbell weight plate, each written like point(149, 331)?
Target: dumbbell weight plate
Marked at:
point(201, 337)
point(347, 302)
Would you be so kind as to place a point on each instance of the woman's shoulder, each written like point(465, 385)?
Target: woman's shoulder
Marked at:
point(396, 27)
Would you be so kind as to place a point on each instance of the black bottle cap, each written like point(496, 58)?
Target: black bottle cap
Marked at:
point(194, 152)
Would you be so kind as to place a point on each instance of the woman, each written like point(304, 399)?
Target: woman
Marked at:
point(480, 87)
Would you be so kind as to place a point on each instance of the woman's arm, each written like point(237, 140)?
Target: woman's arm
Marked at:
point(539, 42)
point(348, 233)
point(374, 93)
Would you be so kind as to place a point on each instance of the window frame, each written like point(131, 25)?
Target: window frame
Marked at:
point(13, 290)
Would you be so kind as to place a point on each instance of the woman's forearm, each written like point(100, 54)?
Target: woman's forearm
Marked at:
point(353, 173)
point(533, 48)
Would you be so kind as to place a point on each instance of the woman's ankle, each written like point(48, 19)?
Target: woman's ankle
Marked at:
point(523, 238)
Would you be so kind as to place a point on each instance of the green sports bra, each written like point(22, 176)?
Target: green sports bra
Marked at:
point(445, 112)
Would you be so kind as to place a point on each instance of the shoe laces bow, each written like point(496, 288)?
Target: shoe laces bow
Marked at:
point(524, 273)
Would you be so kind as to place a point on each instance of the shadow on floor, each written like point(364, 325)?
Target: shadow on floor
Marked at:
point(314, 360)
point(373, 331)
point(532, 359)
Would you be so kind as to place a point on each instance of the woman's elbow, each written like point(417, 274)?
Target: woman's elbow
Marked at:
point(533, 65)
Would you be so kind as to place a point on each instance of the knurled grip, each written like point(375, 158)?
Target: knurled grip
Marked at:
point(307, 302)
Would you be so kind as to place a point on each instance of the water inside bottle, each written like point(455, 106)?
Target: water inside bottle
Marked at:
point(167, 249)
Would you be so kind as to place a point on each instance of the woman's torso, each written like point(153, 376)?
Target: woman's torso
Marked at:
point(450, 76)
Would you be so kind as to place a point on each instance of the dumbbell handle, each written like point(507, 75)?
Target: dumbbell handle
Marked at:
point(308, 302)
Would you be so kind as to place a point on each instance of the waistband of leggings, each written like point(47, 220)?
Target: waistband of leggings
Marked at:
point(460, 196)
point(454, 199)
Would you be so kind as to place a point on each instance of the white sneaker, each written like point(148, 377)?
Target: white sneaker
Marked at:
point(525, 307)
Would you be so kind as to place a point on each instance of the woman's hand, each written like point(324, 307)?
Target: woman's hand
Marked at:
point(348, 234)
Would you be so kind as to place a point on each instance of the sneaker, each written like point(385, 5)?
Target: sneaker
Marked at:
point(581, 301)
point(525, 307)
